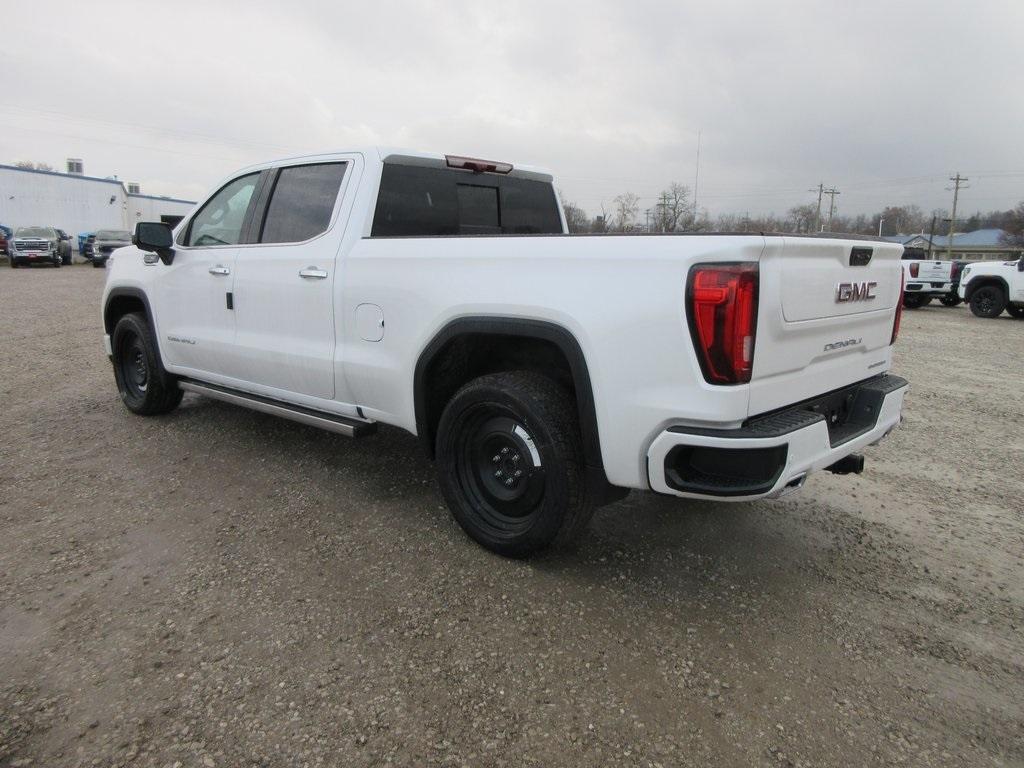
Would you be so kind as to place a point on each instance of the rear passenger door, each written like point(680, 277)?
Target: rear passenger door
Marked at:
point(284, 284)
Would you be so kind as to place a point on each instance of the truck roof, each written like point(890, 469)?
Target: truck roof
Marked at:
point(404, 156)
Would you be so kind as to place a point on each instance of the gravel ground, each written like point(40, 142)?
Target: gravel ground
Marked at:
point(222, 588)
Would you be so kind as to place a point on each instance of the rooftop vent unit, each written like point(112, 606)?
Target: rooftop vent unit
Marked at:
point(75, 166)
point(133, 188)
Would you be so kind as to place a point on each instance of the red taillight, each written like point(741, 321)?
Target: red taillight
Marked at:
point(954, 270)
point(914, 269)
point(899, 308)
point(723, 320)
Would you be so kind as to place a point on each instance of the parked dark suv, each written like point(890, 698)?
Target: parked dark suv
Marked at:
point(107, 241)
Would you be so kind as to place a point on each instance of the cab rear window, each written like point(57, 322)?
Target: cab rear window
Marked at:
point(416, 201)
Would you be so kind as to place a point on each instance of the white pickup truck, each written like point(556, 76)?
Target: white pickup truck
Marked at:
point(990, 287)
point(545, 373)
point(925, 280)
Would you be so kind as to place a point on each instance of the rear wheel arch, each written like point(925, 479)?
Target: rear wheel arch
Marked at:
point(455, 356)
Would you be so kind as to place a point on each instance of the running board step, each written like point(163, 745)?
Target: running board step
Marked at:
point(342, 425)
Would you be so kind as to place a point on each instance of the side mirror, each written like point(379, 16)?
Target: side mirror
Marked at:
point(156, 237)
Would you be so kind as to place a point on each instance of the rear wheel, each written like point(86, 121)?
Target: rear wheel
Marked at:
point(510, 463)
point(988, 301)
point(1015, 310)
point(950, 300)
point(145, 387)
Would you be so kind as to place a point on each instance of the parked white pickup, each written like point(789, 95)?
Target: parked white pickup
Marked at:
point(546, 373)
point(991, 287)
point(926, 280)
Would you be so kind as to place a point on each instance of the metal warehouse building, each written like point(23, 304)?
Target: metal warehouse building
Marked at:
point(77, 203)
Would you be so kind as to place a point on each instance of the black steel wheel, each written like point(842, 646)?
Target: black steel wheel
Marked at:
point(988, 301)
point(510, 463)
point(1015, 310)
point(145, 387)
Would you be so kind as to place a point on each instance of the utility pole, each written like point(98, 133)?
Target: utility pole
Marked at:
point(957, 181)
point(831, 192)
point(931, 236)
point(817, 216)
point(647, 217)
point(880, 220)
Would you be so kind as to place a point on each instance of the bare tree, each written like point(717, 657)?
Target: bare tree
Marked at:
point(576, 218)
point(802, 218)
point(29, 165)
point(626, 207)
point(673, 210)
point(1013, 224)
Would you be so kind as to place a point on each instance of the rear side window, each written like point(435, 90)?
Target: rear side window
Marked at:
point(302, 202)
point(415, 201)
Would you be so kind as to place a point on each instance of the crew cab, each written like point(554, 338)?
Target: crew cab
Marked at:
point(990, 287)
point(925, 280)
point(546, 373)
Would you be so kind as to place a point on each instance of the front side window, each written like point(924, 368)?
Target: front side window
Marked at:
point(219, 222)
point(302, 202)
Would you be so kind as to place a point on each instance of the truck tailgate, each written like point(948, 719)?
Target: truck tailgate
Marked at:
point(933, 271)
point(825, 317)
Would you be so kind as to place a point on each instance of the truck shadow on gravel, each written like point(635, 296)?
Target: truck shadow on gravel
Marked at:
point(667, 535)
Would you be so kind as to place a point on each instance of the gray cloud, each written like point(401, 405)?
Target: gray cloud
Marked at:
point(882, 99)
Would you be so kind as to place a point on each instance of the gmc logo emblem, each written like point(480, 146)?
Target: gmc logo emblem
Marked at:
point(855, 292)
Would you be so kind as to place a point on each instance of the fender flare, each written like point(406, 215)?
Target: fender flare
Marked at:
point(543, 330)
point(982, 280)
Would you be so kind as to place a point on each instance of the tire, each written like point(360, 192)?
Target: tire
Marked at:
point(1015, 310)
point(57, 262)
point(495, 427)
point(951, 300)
point(145, 387)
point(98, 264)
point(988, 301)
point(14, 264)
point(915, 300)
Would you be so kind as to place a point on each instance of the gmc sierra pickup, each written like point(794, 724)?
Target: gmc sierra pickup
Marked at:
point(547, 374)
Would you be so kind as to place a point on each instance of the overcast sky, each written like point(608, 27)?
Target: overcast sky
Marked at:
point(883, 100)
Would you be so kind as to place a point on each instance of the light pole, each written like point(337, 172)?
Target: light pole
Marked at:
point(880, 220)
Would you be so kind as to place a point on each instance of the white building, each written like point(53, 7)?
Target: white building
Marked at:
point(77, 203)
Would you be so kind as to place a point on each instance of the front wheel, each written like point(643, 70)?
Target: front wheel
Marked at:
point(988, 302)
point(510, 463)
point(98, 264)
point(950, 300)
point(1015, 310)
point(145, 387)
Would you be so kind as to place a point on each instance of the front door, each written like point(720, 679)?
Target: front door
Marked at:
point(284, 285)
point(192, 296)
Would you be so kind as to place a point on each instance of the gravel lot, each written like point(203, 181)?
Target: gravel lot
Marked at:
point(222, 588)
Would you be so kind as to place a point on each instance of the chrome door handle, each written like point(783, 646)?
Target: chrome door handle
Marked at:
point(313, 273)
point(219, 270)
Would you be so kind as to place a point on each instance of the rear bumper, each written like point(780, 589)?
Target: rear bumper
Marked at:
point(934, 289)
point(773, 454)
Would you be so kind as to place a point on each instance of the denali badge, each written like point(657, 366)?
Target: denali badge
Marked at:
point(841, 344)
point(855, 292)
